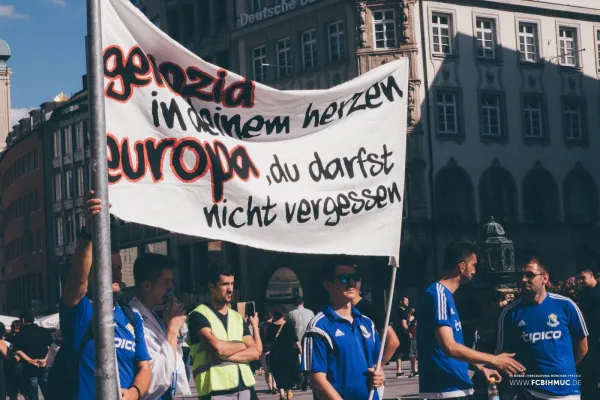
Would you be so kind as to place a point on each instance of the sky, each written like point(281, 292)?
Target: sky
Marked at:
point(47, 42)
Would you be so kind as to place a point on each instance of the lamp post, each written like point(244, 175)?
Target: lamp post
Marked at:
point(498, 254)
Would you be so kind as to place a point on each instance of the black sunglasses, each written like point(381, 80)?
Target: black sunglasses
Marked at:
point(345, 278)
point(530, 275)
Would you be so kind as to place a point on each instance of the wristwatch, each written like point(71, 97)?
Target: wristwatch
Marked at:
point(83, 234)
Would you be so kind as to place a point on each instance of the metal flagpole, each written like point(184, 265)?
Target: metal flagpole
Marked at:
point(395, 265)
point(105, 370)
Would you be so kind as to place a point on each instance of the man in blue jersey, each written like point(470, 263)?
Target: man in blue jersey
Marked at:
point(549, 336)
point(341, 345)
point(443, 357)
point(75, 322)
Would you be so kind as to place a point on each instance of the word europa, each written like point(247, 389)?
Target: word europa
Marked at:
point(214, 158)
point(137, 70)
point(268, 12)
point(535, 336)
point(367, 99)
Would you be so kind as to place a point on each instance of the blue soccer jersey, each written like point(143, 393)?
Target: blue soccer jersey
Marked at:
point(342, 350)
point(129, 343)
point(441, 377)
point(542, 336)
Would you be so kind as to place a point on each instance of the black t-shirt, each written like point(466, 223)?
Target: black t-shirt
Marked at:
point(590, 301)
point(198, 321)
point(402, 314)
point(366, 308)
point(33, 341)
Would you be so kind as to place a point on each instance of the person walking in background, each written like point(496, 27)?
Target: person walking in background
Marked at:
point(403, 335)
point(4, 354)
point(264, 357)
point(299, 318)
point(443, 357)
point(283, 359)
point(412, 351)
point(31, 345)
point(13, 368)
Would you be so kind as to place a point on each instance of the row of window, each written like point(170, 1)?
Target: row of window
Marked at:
point(63, 139)
point(16, 248)
point(486, 34)
point(493, 121)
point(66, 230)
point(21, 167)
point(336, 35)
point(24, 205)
point(67, 190)
point(192, 18)
point(21, 291)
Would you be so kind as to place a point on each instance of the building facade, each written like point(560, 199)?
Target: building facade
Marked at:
point(510, 108)
point(23, 270)
point(5, 73)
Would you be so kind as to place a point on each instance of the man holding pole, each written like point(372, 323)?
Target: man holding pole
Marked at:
point(443, 357)
point(76, 325)
point(341, 345)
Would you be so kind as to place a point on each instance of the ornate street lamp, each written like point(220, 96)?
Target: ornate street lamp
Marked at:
point(498, 253)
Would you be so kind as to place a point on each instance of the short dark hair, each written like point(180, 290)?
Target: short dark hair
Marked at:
point(2, 330)
point(457, 252)
point(149, 267)
point(216, 268)
point(332, 262)
point(587, 271)
point(16, 324)
point(277, 313)
point(298, 300)
point(27, 317)
point(536, 259)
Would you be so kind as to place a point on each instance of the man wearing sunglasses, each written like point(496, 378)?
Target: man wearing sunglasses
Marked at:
point(548, 333)
point(341, 345)
point(443, 357)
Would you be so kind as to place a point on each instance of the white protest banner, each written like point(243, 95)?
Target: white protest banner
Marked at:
point(202, 151)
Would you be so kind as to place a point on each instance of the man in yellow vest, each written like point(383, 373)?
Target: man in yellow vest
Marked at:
point(221, 345)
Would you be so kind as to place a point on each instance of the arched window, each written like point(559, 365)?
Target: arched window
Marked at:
point(454, 197)
point(580, 196)
point(540, 197)
point(498, 196)
point(283, 285)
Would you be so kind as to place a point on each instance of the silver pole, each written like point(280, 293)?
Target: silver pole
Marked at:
point(105, 370)
point(395, 267)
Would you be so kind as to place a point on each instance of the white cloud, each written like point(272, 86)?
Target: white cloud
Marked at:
point(17, 113)
point(62, 3)
point(10, 12)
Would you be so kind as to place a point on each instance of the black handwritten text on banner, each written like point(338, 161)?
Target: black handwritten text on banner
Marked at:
point(199, 150)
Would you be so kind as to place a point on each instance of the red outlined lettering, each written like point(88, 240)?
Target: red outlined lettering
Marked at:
point(125, 73)
point(211, 157)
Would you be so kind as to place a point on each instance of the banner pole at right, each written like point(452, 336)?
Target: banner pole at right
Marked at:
point(394, 262)
point(105, 364)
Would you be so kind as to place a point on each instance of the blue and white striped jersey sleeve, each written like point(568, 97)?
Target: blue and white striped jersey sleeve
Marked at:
point(440, 306)
point(314, 354)
point(577, 324)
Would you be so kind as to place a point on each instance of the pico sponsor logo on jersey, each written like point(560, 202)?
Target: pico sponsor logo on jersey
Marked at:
point(125, 344)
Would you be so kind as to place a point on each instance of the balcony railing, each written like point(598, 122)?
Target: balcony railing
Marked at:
point(59, 251)
point(78, 155)
point(57, 162)
point(67, 159)
point(69, 203)
point(57, 206)
point(79, 201)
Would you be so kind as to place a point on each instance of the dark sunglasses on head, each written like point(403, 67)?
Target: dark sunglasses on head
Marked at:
point(530, 275)
point(345, 278)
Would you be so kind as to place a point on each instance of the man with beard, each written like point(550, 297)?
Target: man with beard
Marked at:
point(443, 357)
point(341, 345)
point(221, 345)
point(548, 334)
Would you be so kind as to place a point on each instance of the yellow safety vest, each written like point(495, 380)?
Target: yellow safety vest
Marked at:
point(212, 374)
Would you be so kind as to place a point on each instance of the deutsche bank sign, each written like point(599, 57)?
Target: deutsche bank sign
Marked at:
point(268, 12)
